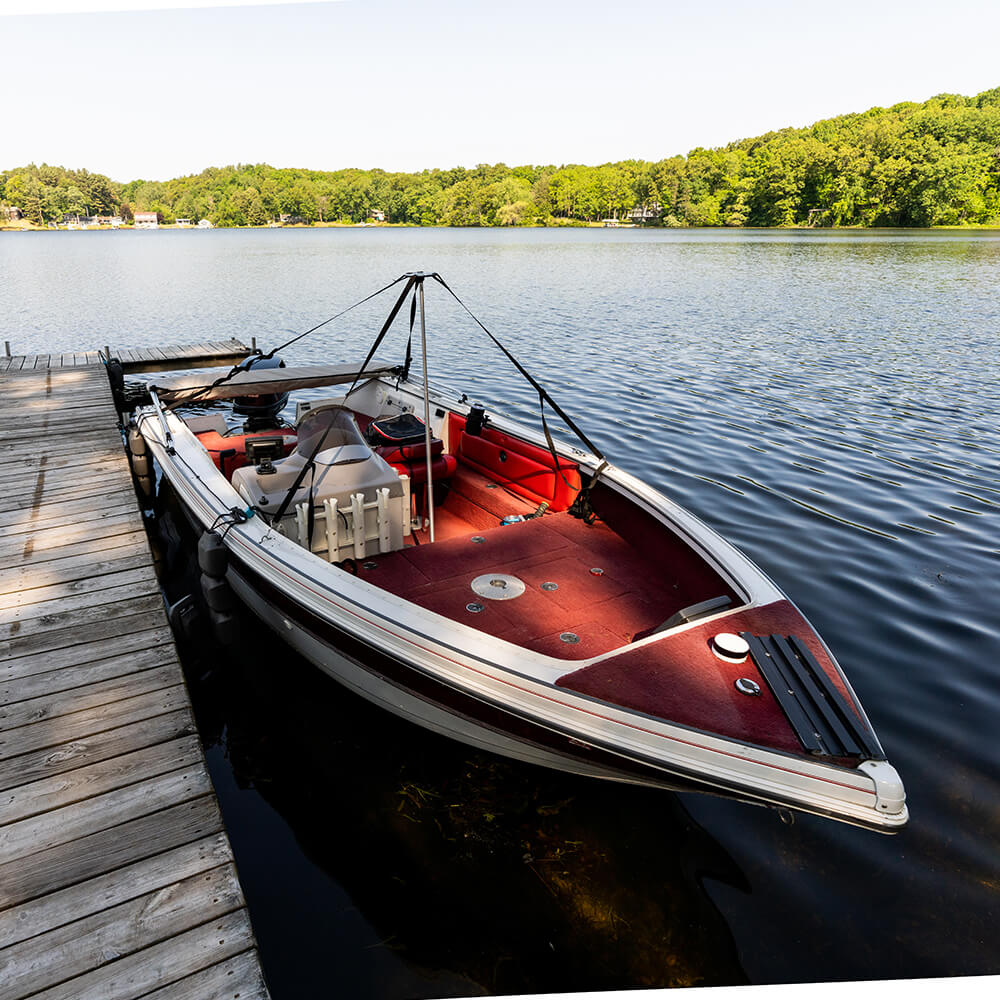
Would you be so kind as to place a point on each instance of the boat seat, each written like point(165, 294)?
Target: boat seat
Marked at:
point(524, 468)
point(229, 451)
point(411, 460)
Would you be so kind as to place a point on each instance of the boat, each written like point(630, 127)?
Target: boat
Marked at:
point(510, 590)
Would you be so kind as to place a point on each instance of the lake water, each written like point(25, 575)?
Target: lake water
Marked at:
point(827, 401)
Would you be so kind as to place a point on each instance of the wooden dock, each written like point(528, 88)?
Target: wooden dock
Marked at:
point(136, 359)
point(116, 876)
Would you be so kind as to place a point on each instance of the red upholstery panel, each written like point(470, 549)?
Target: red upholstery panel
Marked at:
point(524, 468)
point(525, 477)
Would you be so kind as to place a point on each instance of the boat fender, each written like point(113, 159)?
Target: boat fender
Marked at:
point(225, 625)
point(137, 453)
point(145, 484)
point(136, 442)
point(183, 617)
point(213, 556)
point(218, 594)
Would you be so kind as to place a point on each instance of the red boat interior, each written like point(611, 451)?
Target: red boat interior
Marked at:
point(589, 588)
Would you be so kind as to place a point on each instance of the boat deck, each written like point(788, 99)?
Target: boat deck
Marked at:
point(607, 590)
point(116, 876)
point(646, 576)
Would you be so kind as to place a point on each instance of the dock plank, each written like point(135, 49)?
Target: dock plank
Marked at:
point(123, 586)
point(106, 850)
point(70, 628)
point(20, 923)
point(80, 725)
point(95, 747)
point(34, 711)
point(69, 823)
point(161, 964)
point(101, 940)
point(23, 551)
point(217, 981)
point(39, 797)
point(108, 575)
point(30, 573)
point(15, 688)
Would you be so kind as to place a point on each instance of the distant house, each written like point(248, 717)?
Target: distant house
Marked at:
point(643, 213)
point(13, 213)
point(146, 220)
point(183, 222)
point(377, 214)
point(291, 220)
point(204, 224)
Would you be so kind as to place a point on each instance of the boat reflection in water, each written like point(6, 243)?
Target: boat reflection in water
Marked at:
point(403, 864)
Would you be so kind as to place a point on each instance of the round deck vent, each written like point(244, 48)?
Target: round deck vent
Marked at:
point(498, 586)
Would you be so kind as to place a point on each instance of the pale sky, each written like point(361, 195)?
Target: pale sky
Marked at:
point(412, 84)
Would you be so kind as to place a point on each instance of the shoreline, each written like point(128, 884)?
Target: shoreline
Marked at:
point(29, 227)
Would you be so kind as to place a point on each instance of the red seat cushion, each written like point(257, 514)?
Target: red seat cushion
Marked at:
point(443, 467)
point(409, 452)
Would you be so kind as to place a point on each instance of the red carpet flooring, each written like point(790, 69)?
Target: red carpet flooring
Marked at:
point(647, 576)
point(605, 611)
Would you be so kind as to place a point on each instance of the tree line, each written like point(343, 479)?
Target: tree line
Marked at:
point(914, 164)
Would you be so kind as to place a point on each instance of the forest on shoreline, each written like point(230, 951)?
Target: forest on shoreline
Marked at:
point(935, 163)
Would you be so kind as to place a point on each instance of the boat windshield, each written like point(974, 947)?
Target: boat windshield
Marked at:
point(335, 422)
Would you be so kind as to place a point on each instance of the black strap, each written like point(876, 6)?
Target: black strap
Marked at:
point(552, 444)
point(581, 507)
point(517, 364)
point(236, 369)
point(310, 512)
point(409, 339)
point(310, 461)
point(385, 329)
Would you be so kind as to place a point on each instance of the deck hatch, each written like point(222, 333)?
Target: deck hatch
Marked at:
point(822, 719)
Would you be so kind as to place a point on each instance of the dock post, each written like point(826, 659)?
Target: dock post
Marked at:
point(6, 346)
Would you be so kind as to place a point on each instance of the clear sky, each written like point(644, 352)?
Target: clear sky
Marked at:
point(440, 83)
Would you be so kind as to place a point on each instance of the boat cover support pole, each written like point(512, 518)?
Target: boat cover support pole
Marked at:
point(427, 413)
point(168, 439)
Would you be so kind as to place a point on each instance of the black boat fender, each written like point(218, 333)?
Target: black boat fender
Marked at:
point(213, 561)
point(213, 556)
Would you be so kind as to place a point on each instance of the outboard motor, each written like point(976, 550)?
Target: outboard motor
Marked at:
point(261, 411)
